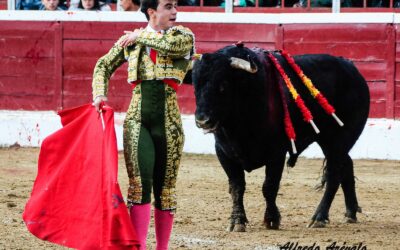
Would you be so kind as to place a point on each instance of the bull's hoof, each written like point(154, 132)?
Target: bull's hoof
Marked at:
point(273, 225)
point(236, 228)
point(239, 228)
point(350, 220)
point(317, 224)
point(351, 217)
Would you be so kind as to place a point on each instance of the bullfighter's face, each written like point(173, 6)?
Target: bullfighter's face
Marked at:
point(164, 16)
point(211, 78)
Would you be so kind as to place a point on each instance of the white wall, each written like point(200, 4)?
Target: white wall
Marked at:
point(380, 139)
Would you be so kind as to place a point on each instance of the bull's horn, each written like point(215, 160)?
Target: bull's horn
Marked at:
point(197, 56)
point(239, 63)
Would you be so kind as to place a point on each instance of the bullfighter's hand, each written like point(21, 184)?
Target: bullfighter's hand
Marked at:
point(130, 37)
point(98, 100)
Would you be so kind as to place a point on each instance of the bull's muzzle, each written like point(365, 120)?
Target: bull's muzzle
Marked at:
point(206, 125)
point(202, 123)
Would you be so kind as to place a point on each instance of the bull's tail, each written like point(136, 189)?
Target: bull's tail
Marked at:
point(321, 185)
point(291, 162)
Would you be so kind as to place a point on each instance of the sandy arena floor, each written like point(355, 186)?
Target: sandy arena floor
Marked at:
point(204, 206)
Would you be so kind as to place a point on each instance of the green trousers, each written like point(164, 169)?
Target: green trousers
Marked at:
point(153, 143)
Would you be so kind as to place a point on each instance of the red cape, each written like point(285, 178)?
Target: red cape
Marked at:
point(76, 200)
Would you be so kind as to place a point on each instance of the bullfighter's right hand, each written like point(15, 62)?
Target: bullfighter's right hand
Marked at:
point(98, 100)
point(130, 37)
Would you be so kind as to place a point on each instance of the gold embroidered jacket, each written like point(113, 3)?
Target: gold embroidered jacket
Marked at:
point(172, 61)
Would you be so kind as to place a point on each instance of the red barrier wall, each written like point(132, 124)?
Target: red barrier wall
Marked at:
point(3, 4)
point(371, 47)
point(49, 65)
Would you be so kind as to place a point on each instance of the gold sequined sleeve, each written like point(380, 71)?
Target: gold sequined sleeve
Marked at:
point(176, 42)
point(104, 68)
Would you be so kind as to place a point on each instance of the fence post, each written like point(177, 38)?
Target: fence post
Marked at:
point(228, 6)
point(58, 69)
point(391, 70)
point(11, 4)
point(335, 6)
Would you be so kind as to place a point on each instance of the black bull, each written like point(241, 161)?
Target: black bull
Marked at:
point(243, 108)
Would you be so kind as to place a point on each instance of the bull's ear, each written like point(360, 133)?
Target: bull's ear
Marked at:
point(239, 63)
point(205, 56)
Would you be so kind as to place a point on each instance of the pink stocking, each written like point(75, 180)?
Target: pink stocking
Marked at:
point(140, 218)
point(163, 223)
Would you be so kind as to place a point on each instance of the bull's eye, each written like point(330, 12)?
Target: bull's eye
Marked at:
point(222, 86)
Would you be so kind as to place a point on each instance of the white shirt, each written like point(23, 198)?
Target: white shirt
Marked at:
point(150, 29)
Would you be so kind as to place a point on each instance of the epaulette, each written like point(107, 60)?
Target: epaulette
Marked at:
point(181, 29)
point(185, 31)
